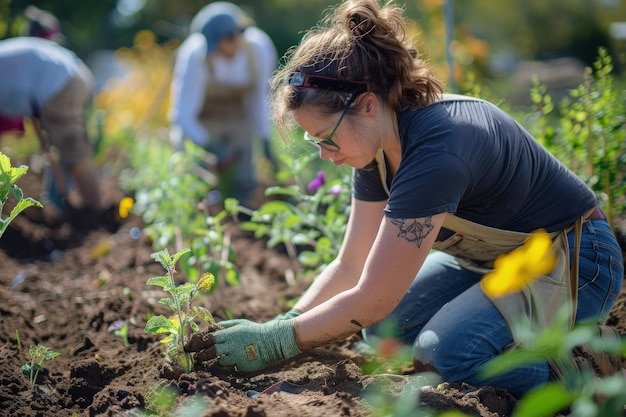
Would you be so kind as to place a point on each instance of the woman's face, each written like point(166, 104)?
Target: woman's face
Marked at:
point(356, 134)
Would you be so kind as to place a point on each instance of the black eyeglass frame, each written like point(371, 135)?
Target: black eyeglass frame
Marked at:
point(328, 140)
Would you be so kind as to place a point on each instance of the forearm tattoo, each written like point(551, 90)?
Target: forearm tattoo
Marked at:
point(412, 230)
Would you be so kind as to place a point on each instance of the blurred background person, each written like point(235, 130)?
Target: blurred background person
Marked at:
point(219, 95)
point(50, 85)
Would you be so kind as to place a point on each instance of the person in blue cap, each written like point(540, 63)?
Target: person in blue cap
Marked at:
point(219, 94)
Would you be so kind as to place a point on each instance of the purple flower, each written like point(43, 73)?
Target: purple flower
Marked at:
point(317, 182)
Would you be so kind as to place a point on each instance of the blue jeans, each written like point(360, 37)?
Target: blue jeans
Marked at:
point(454, 327)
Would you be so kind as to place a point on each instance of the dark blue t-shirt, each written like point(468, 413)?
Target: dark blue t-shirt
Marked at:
point(473, 159)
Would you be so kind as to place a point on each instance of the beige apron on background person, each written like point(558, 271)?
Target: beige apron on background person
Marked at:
point(230, 125)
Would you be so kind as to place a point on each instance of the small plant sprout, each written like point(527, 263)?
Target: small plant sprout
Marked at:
point(8, 176)
point(181, 325)
point(37, 354)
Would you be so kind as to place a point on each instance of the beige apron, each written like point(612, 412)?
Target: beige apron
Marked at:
point(476, 247)
point(226, 116)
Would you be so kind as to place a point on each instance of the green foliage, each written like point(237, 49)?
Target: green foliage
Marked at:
point(298, 219)
point(581, 389)
point(168, 185)
point(181, 325)
point(166, 190)
point(211, 250)
point(587, 132)
point(38, 354)
point(8, 177)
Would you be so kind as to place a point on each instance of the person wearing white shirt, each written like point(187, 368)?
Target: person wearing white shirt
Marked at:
point(219, 94)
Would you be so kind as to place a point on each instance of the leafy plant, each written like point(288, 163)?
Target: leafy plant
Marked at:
point(8, 176)
point(211, 248)
point(587, 132)
point(181, 325)
point(309, 220)
point(38, 354)
point(166, 195)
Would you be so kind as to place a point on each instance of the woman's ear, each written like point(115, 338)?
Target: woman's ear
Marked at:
point(369, 104)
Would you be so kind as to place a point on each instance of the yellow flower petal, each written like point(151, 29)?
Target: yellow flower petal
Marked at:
point(126, 204)
point(521, 266)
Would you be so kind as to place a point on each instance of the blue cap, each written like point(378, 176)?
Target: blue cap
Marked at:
point(216, 28)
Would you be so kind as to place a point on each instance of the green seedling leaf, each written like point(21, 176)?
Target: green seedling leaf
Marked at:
point(26, 370)
point(162, 282)
point(169, 302)
point(38, 354)
point(16, 192)
point(177, 256)
point(160, 324)
point(181, 325)
point(203, 314)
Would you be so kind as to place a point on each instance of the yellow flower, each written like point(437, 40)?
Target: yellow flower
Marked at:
point(206, 282)
point(516, 269)
point(126, 204)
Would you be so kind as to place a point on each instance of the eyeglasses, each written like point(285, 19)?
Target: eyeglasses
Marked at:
point(301, 79)
point(327, 142)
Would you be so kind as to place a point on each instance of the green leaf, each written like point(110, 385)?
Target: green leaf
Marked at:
point(160, 324)
point(545, 401)
point(273, 207)
point(278, 190)
point(309, 259)
point(50, 354)
point(26, 369)
point(162, 257)
point(170, 303)
point(232, 276)
point(203, 314)
point(510, 360)
point(162, 281)
point(178, 254)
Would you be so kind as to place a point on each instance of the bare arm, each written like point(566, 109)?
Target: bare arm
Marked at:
point(399, 250)
point(344, 272)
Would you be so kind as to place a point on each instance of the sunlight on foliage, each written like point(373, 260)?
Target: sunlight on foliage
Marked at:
point(138, 101)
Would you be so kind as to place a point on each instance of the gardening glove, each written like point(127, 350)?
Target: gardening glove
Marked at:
point(291, 314)
point(246, 345)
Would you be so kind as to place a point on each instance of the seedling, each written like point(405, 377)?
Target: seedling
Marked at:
point(37, 354)
point(8, 176)
point(181, 325)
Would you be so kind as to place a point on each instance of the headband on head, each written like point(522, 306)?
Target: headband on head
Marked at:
point(301, 79)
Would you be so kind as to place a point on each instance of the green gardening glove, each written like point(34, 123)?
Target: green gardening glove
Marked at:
point(246, 345)
point(291, 314)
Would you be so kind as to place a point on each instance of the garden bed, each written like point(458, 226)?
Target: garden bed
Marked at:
point(71, 291)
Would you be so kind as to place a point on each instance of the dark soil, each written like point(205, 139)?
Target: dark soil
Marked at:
point(68, 290)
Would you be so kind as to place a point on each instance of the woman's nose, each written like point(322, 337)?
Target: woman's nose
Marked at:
point(325, 153)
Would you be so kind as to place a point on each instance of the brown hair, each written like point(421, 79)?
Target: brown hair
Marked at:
point(359, 41)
